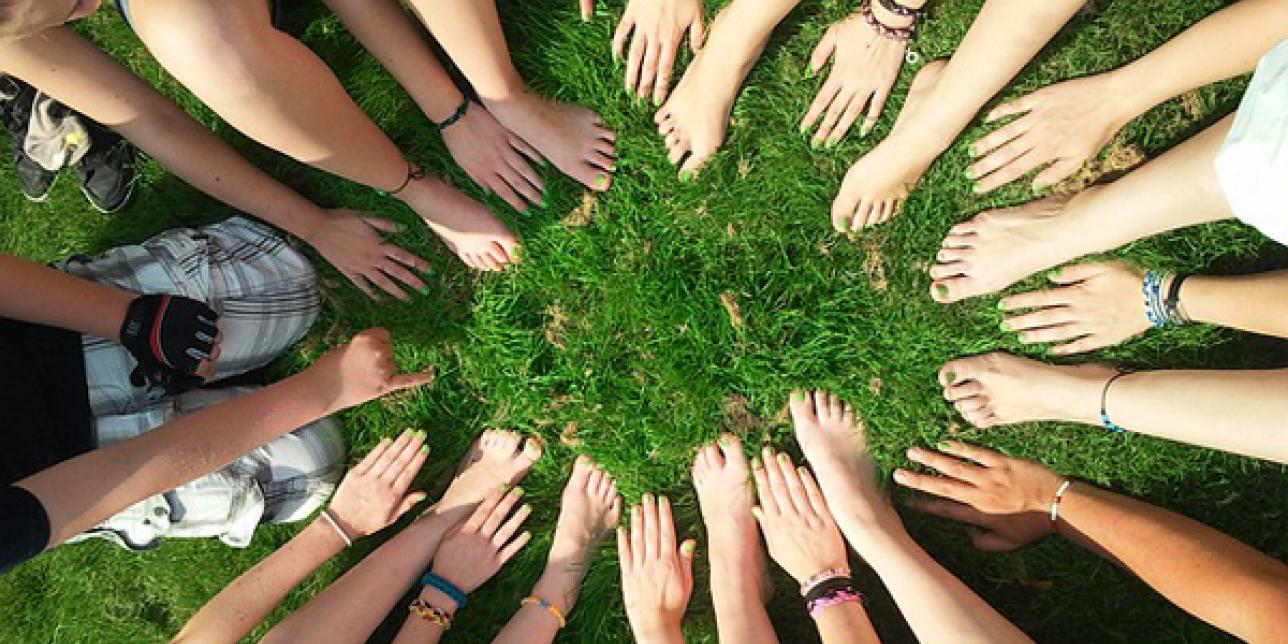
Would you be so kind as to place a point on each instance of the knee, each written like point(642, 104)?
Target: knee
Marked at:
point(218, 55)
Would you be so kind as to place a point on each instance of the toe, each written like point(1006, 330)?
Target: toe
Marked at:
point(944, 270)
point(963, 390)
point(955, 240)
point(951, 254)
point(713, 456)
point(582, 468)
point(801, 407)
point(961, 370)
point(843, 208)
point(955, 289)
point(532, 448)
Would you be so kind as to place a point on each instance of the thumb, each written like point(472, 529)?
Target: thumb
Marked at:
point(411, 501)
point(410, 380)
point(686, 560)
point(697, 34)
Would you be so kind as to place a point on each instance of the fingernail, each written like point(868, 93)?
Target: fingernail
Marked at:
point(1053, 274)
point(518, 491)
point(803, 128)
point(942, 290)
point(756, 463)
point(800, 469)
point(1039, 186)
point(657, 101)
point(685, 176)
point(814, 145)
point(724, 440)
point(527, 507)
point(952, 377)
point(831, 143)
point(900, 477)
point(424, 449)
point(1002, 325)
point(601, 181)
point(782, 458)
point(1001, 305)
point(976, 187)
point(809, 72)
point(688, 548)
point(422, 433)
point(424, 291)
point(505, 487)
point(970, 174)
point(756, 511)
point(943, 446)
point(865, 130)
point(648, 498)
point(913, 453)
point(973, 152)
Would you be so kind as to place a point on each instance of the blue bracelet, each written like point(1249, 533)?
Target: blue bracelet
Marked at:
point(445, 587)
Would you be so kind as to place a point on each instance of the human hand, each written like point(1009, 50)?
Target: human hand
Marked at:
point(657, 579)
point(476, 550)
point(351, 242)
point(983, 479)
point(362, 370)
point(174, 339)
point(1062, 125)
point(495, 158)
point(657, 26)
point(800, 532)
point(864, 68)
point(991, 532)
point(373, 493)
point(1097, 305)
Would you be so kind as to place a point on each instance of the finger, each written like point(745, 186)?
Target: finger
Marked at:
point(634, 59)
point(484, 510)
point(637, 535)
point(651, 536)
point(1057, 172)
point(1051, 316)
point(372, 457)
point(937, 485)
point(834, 112)
point(648, 69)
point(403, 459)
point(400, 273)
point(361, 282)
point(813, 493)
point(624, 557)
point(761, 478)
point(587, 8)
point(999, 137)
point(377, 277)
point(792, 483)
point(946, 465)
point(823, 51)
point(498, 514)
point(665, 63)
point(514, 547)
point(411, 468)
point(697, 34)
point(619, 36)
point(405, 258)
point(826, 94)
point(949, 510)
point(1010, 108)
point(981, 455)
point(1000, 166)
point(851, 114)
point(875, 108)
point(777, 486)
point(401, 381)
point(686, 561)
point(381, 224)
point(665, 525)
point(511, 526)
point(410, 501)
point(390, 456)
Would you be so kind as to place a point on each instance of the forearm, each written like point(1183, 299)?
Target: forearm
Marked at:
point(38, 294)
point(1234, 411)
point(1238, 302)
point(418, 630)
point(532, 623)
point(80, 493)
point(667, 634)
point(386, 31)
point(352, 607)
point(845, 624)
point(66, 66)
point(237, 609)
point(757, 17)
point(937, 605)
point(1226, 43)
point(1196, 567)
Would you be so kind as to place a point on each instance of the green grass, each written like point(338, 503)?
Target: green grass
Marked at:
point(647, 364)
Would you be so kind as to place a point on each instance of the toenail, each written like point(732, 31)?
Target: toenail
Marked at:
point(942, 290)
point(1002, 325)
point(865, 130)
point(756, 463)
point(952, 377)
point(1001, 305)
point(782, 458)
point(944, 446)
point(814, 145)
point(688, 548)
point(518, 491)
point(686, 176)
point(601, 181)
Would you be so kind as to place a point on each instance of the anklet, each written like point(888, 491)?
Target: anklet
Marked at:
point(456, 116)
point(892, 33)
point(902, 11)
point(1055, 502)
point(414, 173)
point(547, 606)
point(1172, 303)
point(1104, 396)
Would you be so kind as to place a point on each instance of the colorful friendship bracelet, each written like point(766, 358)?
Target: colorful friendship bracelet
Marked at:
point(326, 514)
point(1059, 496)
point(835, 598)
point(431, 613)
point(822, 576)
point(1104, 397)
point(883, 30)
point(547, 606)
point(445, 587)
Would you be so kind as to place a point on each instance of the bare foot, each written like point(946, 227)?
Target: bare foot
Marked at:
point(481, 240)
point(498, 457)
point(877, 183)
point(722, 478)
point(998, 248)
point(696, 117)
point(835, 443)
point(569, 136)
point(588, 509)
point(1000, 389)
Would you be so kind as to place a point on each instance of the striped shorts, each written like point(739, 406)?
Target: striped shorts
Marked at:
point(267, 298)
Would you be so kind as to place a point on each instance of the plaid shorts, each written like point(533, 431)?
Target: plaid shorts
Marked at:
point(266, 295)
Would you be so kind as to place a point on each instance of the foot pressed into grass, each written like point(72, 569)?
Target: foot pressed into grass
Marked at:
point(588, 509)
point(1001, 389)
point(876, 185)
point(473, 233)
point(722, 478)
point(498, 457)
point(571, 137)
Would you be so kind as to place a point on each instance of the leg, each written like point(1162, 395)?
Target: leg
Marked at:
point(694, 120)
point(1002, 40)
point(1187, 406)
point(739, 587)
point(589, 508)
point(264, 290)
point(283, 481)
point(571, 137)
point(1000, 247)
point(272, 88)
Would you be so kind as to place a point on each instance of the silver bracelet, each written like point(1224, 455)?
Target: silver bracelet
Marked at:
point(326, 514)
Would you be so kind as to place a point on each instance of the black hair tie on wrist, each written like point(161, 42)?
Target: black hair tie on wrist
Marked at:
point(456, 116)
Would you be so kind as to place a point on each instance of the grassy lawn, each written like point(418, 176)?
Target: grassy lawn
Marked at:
point(614, 337)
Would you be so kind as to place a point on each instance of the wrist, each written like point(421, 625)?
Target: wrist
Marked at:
point(889, 18)
point(656, 630)
point(1127, 93)
point(438, 599)
point(443, 109)
point(1044, 495)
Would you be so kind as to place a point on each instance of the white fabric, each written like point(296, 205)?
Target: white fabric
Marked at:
point(1252, 164)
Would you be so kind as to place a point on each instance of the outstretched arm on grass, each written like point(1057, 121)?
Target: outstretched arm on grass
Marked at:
point(370, 498)
point(42, 295)
point(1205, 572)
point(82, 492)
point(65, 65)
point(1067, 123)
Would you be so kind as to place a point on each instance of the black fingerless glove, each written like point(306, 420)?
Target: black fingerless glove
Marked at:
point(169, 336)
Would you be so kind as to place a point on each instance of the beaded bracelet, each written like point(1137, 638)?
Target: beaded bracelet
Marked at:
point(1055, 502)
point(834, 598)
point(547, 606)
point(902, 11)
point(822, 576)
point(446, 587)
point(883, 30)
point(431, 614)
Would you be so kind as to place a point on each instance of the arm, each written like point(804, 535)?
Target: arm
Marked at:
point(1237, 301)
point(79, 493)
point(372, 496)
point(41, 295)
point(1194, 566)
